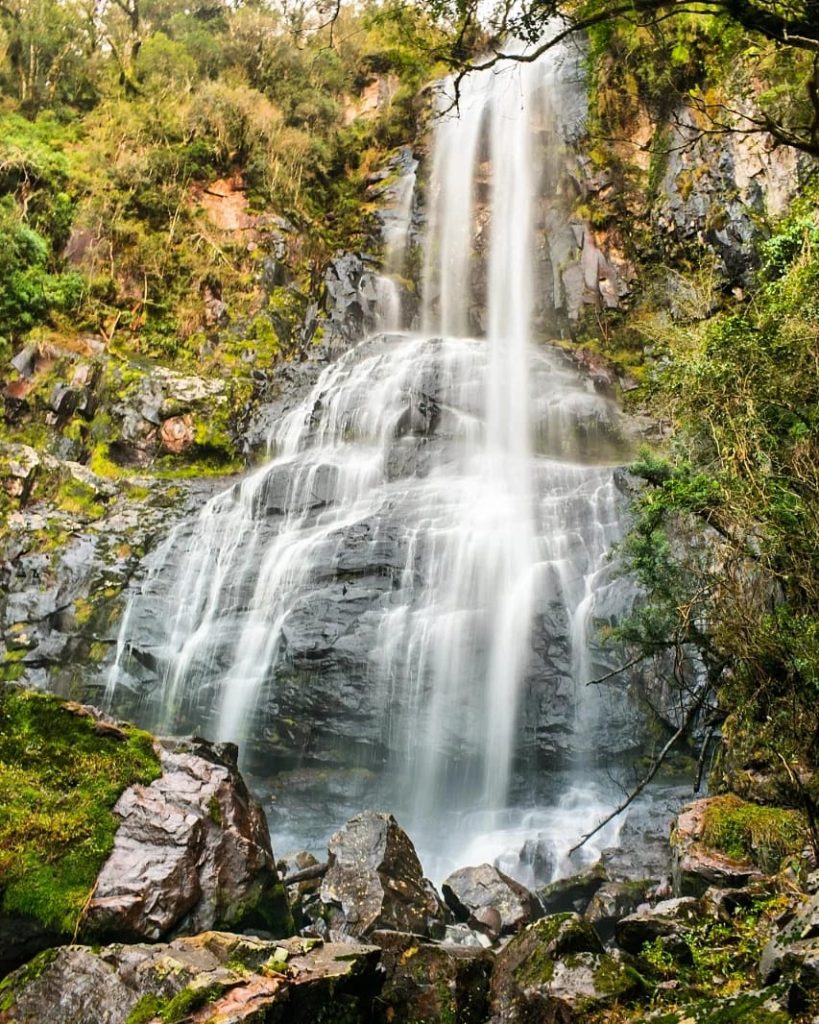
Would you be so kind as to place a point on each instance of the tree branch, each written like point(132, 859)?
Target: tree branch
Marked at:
point(641, 785)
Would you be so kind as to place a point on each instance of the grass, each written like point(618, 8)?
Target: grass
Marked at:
point(59, 781)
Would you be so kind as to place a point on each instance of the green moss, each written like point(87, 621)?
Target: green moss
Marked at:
point(267, 910)
point(764, 835)
point(14, 983)
point(614, 978)
point(189, 999)
point(215, 811)
point(175, 1009)
point(79, 499)
point(747, 1008)
point(145, 1009)
point(59, 781)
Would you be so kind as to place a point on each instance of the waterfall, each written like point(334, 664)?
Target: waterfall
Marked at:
point(409, 584)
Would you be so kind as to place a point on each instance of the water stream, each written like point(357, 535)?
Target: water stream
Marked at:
point(408, 588)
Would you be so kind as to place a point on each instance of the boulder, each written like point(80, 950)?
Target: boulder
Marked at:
point(488, 900)
point(214, 976)
point(794, 950)
point(666, 921)
point(695, 866)
point(429, 982)
point(572, 894)
point(375, 881)
point(192, 852)
point(555, 968)
point(613, 901)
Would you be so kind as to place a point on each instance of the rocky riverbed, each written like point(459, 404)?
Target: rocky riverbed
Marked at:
point(191, 918)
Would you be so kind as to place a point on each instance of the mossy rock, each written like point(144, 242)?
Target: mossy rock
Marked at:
point(529, 959)
point(746, 831)
point(61, 773)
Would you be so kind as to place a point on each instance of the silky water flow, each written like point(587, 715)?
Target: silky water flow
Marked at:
point(432, 524)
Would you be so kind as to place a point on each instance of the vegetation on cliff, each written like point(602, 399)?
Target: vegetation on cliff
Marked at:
point(173, 181)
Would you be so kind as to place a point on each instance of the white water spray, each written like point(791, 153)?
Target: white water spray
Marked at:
point(432, 503)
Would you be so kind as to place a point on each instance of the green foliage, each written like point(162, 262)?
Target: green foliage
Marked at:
point(31, 293)
point(764, 835)
point(725, 539)
point(724, 953)
point(59, 780)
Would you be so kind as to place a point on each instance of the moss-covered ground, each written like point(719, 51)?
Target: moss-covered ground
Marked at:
point(59, 780)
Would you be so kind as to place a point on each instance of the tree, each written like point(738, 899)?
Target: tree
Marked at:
point(792, 27)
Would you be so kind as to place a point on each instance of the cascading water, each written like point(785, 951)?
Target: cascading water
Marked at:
point(409, 585)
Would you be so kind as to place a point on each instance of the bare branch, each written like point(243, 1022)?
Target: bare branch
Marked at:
point(655, 767)
point(616, 671)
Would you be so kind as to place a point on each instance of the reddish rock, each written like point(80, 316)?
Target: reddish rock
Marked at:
point(237, 978)
point(177, 433)
point(694, 866)
point(192, 852)
point(487, 899)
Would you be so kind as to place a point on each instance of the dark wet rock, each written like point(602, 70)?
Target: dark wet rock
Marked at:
point(429, 982)
point(642, 850)
point(64, 597)
point(488, 900)
point(554, 968)
point(289, 387)
point(613, 901)
point(696, 866)
point(668, 921)
point(209, 977)
point(375, 881)
point(794, 950)
point(21, 939)
point(350, 301)
point(572, 894)
point(192, 853)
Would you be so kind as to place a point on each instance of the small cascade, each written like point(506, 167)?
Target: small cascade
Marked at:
point(410, 586)
point(396, 231)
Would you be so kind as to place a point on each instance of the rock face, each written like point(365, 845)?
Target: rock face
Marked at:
point(488, 900)
point(211, 977)
point(192, 853)
point(375, 881)
point(350, 301)
point(694, 866)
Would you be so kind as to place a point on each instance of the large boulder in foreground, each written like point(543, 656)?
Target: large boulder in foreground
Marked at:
point(107, 834)
point(427, 981)
point(488, 900)
point(214, 976)
point(375, 881)
point(555, 969)
point(192, 853)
